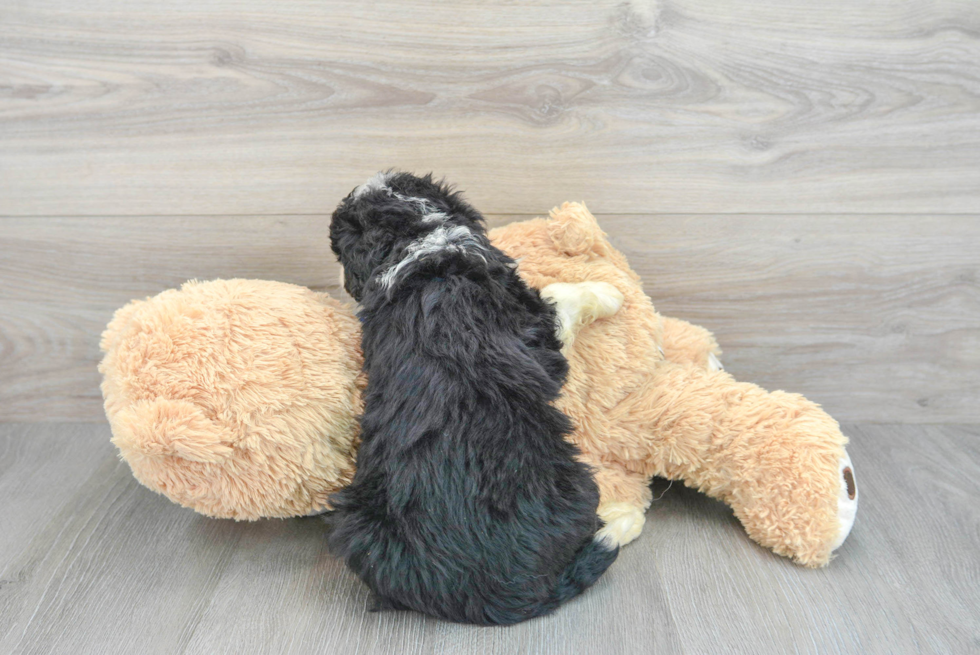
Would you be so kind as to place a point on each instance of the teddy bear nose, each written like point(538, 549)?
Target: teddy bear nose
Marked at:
point(849, 482)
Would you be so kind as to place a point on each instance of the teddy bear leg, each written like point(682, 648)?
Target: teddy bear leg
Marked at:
point(686, 343)
point(578, 304)
point(623, 501)
point(776, 458)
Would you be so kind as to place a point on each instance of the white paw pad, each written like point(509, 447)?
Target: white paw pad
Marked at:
point(847, 500)
point(579, 304)
point(623, 523)
point(600, 300)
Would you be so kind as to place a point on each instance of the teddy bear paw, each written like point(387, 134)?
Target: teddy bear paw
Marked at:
point(601, 300)
point(623, 523)
point(580, 303)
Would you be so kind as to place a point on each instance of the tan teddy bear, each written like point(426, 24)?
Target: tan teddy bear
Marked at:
point(648, 399)
point(239, 398)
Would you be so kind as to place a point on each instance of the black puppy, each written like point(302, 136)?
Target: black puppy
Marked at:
point(468, 503)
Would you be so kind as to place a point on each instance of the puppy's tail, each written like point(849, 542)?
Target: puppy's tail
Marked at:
point(590, 562)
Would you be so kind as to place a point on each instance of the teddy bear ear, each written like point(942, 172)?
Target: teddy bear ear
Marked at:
point(575, 230)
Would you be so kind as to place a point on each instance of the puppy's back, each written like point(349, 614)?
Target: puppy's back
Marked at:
point(468, 503)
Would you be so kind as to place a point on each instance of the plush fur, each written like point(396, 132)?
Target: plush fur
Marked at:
point(468, 502)
point(238, 398)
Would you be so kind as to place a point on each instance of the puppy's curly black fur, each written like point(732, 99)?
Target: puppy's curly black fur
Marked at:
point(468, 503)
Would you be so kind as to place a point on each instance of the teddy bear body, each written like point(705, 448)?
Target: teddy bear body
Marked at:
point(648, 399)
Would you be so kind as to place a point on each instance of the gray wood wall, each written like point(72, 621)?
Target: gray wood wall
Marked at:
point(801, 178)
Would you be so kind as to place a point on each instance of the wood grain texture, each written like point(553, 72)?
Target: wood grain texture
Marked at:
point(96, 563)
point(905, 581)
point(214, 107)
point(123, 570)
point(801, 178)
point(61, 280)
point(877, 318)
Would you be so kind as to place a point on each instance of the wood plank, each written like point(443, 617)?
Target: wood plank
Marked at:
point(116, 568)
point(106, 563)
point(877, 318)
point(142, 108)
point(61, 279)
point(42, 467)
point(905, 581)
point(123, 568)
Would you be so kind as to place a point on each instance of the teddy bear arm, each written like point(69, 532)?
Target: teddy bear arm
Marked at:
point(578, 304)
point(775, 458)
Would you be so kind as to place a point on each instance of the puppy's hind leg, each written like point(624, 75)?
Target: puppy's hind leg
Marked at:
point(579, 304)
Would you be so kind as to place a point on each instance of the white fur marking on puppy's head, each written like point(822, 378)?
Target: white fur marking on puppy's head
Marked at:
point(378, 182)
point(429, 212)
point(457, 238)
point(434, 217)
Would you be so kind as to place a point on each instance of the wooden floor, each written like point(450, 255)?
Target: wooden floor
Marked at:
point(802, 178)
point(90, 561)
